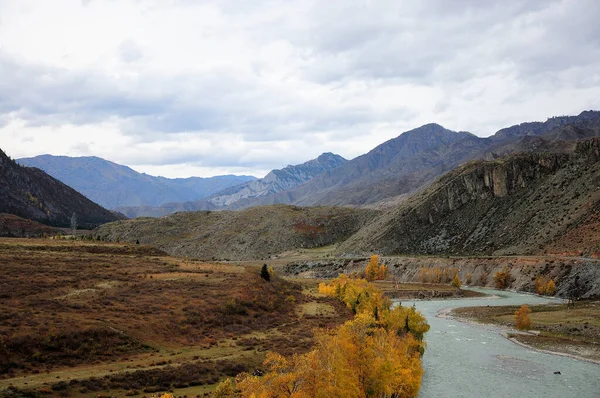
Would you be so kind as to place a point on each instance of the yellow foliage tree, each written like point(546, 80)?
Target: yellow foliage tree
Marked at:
point(445, 276)
point(360, 359)
point(224, 389)
point(374, 270)
point(383, 272)
point(431, 275)
point(456, 281)
point(423, 275)
point(540, 284)
point(502, 279)
point(551, 288)
point(522, 320)
point(376, 354)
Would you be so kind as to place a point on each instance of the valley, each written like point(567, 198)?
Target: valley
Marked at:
point(181, 302)
point(88, 318)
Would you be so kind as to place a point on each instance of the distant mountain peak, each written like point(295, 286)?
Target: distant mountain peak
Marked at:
point(114, 185)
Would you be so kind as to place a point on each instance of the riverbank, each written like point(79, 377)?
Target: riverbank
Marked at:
point(573, 332)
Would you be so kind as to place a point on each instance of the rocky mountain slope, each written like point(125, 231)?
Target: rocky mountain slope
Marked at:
point(277, 181)
point(514, 205)
point(30, 193)
point(247, 194)
point(255, 233)
point(384, 176)
point(397, 166)
point(113, 185)
point(415, 158)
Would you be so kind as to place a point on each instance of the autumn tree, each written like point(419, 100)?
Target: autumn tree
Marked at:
point(224, 389)
point(374, 270)
point(502, 279)
point(377, 354)
point(551, 288)
point(423, 275)
point(540, 284)
point(456, 281)
point(522, 320)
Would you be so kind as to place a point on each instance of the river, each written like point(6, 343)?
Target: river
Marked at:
point(470, 360)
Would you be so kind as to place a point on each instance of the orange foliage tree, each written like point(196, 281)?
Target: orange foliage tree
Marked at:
point(378, 354)
point(540, 284)
point(551, 288)
point(502, 279)
point(374, 270)
point(522, 320)
point(456, 281)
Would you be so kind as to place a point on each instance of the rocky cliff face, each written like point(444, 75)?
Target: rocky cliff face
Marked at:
point(518, 204)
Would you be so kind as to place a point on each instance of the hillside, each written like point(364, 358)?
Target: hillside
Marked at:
point(249, 193)
point(519, 204)
point(30, 193)
point(397, 166)
point(113, 185)
point(255, 233)
point(88, 319)
point(415, 158)
point(15, 226)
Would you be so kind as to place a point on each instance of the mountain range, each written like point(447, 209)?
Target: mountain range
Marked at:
point(112, 185)
point(30, 193)
point(380, 178)
point(385, 175)
point(525, 203)
point(249, 193)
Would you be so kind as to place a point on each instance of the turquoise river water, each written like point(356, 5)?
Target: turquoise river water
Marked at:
point(471, 360)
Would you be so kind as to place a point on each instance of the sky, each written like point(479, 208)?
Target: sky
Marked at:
point(183, 88)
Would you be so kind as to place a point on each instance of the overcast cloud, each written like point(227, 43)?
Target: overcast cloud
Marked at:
point(181, 88)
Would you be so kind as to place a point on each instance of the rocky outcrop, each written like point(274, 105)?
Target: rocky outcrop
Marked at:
point(513, 205)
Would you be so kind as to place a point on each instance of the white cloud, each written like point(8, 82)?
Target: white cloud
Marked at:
point(182, 88)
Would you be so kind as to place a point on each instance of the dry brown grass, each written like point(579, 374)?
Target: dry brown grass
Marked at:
point(96, 309)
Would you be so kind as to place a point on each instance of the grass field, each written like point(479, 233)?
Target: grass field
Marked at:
point(573, 331)
point(85, 318)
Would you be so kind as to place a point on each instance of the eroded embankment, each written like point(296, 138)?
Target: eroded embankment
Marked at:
point(574, 277)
